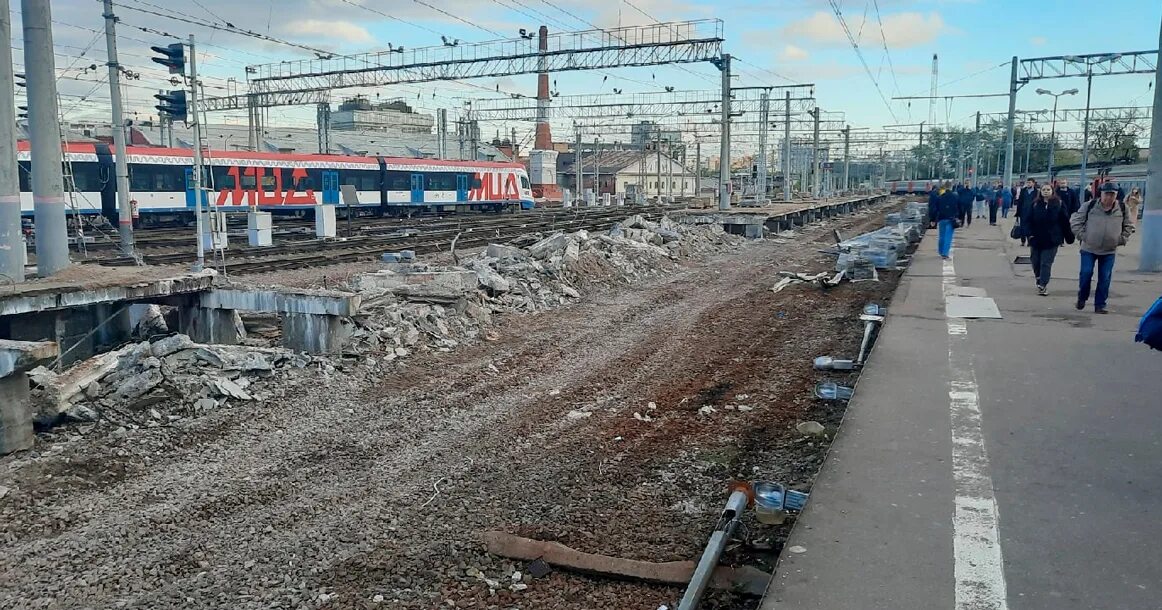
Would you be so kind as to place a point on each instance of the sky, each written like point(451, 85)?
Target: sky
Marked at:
point(774, 42)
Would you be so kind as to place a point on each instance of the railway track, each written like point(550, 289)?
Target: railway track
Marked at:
point(424, 239)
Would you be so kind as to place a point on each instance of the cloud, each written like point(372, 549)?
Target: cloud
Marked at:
point(901, 30)
point(791, 52)
point(320, 28)
point(1038, 41)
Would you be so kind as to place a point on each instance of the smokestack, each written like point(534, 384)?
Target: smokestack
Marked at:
point(544, 139)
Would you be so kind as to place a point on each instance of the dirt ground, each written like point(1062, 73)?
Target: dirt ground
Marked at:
point(368, 487)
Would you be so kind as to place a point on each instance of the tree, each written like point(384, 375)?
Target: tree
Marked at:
point(1116, 140)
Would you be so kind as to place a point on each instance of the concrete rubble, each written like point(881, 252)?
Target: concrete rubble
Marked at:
point(418, 306)
point(172, 374)
point(404, 308)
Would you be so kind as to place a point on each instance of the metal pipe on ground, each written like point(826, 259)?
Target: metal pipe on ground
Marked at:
point(727, 523)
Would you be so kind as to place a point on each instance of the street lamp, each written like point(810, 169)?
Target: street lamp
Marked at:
point(1053, 128)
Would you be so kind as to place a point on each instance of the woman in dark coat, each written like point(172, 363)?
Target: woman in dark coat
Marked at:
point(1045, 225)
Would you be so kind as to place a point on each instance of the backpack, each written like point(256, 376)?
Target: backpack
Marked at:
point(1150, 328)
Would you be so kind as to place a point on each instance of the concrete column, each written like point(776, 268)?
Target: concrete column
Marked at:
point(15, 414)
point(208, 325)
point(48, 189)
point(11, 242)
point(314, 333)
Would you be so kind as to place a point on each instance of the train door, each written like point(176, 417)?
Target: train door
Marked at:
point(330, 187)
point(461, 188)
point(189, 173)
point(417, 188)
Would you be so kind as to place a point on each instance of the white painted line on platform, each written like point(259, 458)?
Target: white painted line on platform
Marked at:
point(979, 567)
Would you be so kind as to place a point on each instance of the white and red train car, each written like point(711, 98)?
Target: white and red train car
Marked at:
point(160, 182)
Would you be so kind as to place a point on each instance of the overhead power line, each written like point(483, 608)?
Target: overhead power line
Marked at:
point(859, 53)
point(884, 39)
point(224, 27)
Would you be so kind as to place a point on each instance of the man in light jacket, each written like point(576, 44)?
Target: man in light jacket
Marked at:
point(1101, 227)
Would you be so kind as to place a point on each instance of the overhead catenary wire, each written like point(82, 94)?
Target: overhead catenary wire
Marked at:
point(224, 27)
point(884, 39)
point(859, 53)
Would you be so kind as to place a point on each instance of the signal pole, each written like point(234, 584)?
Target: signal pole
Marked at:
point(787, 149)
point(1152, 216)
point(724, 150)
point(124, 209)
point(197, 174)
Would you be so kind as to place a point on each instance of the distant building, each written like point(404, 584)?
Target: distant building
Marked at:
point(625, 171)
point(359, 114)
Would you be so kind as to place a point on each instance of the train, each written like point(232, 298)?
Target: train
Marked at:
point(160, 183)
point(1125, 176)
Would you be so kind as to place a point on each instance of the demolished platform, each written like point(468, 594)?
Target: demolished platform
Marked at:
point(754, 222)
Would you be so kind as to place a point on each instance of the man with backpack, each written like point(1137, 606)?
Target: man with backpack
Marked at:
point(1101, 227)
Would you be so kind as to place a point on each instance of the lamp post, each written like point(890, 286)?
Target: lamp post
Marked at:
point(1053, 127)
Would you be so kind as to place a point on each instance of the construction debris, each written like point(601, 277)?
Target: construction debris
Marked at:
point(746, 579)
point(172, 371)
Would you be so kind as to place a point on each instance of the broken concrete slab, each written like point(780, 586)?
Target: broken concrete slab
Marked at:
point(137, 385)
point(169, 345)
point(492, 280)
point(549, 246)
point(500, 251)
point(229, 389)
point(433, 286)
point(23, 355)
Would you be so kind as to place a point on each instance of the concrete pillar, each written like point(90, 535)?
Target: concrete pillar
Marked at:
point(314, 333)
point(15, 414)
point(208, 325)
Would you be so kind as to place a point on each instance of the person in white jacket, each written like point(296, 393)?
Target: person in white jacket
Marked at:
point(1101, 227)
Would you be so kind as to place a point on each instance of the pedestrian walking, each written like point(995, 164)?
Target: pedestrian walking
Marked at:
point(1024, 202)
point(1045, 227)
point(965, 198)
point(1101, 227)
point(980, 201)
point(945, 214)
point(1133, 202)
point(1006, 200)
point(1068, 196)
point(995, 198)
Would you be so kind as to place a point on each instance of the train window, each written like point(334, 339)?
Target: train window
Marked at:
point(157, 178)
point(476, 182)
point(270, 182)
point(222, 178)
point(248, 182)
point(303, 184)
point(524, 182)
point(362, 180)
point(87, 177)
point(25, 177)
point(398, 181)
point(441, 181)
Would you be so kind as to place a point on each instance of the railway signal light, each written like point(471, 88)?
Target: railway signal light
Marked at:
point(173, 104)
point(173, 57)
